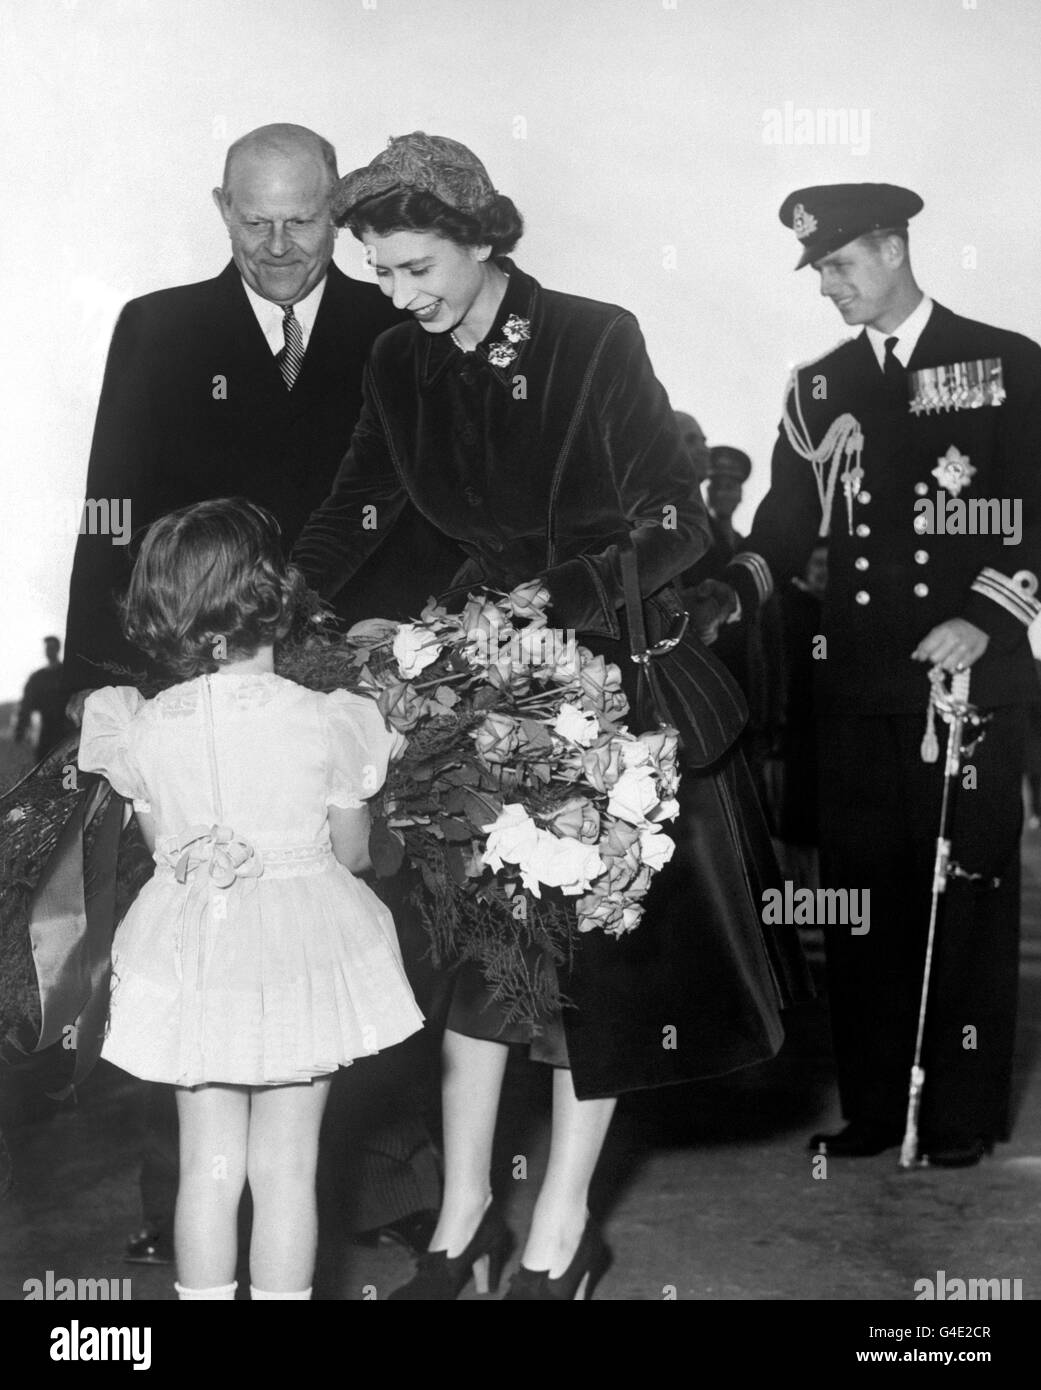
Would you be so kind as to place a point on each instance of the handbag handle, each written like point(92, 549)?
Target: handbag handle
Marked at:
point(641, 653)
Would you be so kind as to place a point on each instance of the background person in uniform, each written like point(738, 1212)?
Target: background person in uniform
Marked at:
point(728, 471)
point(943, 403)
point(44, 695)
point(752, 653)
point(250, 384)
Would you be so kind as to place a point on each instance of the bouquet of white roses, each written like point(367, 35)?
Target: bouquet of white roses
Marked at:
point(524, 803)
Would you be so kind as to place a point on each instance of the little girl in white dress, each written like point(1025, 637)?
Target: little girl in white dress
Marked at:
point(253, 963)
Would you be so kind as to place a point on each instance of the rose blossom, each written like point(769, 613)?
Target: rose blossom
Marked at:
point(400, 706)
point(602, 765)
point(414, 649)
point(497, 738)
point(511, 837)
point(656, 848)
point(634, 795)
point(579, 820)
point(566, 864)
point(529, 600)
point(578, 725)
point(601, 683)
point(597, 911)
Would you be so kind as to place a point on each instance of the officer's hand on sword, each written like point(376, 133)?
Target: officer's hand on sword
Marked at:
point(955, 645)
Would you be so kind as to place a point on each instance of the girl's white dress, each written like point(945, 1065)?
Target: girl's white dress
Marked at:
point(252, 957)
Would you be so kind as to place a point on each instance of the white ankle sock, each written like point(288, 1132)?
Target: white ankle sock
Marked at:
point(222, 1291)
point(259, 1295)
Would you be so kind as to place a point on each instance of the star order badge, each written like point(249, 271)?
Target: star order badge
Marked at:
point(953, 471)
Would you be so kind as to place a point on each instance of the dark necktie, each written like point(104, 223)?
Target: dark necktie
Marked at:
point(892, 368)
point(291, 358)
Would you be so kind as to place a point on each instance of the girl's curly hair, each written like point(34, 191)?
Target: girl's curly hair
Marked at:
point(210, 585)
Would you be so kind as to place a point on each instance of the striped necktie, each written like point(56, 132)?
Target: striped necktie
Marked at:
point(291, 358)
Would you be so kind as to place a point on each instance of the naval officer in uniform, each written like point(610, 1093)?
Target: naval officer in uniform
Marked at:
point(882, 438)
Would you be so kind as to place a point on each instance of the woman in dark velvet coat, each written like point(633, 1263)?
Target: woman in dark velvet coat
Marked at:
point(528, 426)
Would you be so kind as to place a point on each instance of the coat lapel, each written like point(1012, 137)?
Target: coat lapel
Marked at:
point(258, 383)
point(333, 342)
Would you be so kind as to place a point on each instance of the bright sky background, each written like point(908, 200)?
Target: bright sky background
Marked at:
point(629, 132)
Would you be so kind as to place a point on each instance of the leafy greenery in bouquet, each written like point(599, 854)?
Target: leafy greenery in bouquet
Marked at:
point(525, 806)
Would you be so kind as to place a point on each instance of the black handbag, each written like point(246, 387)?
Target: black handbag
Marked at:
point(679, 682)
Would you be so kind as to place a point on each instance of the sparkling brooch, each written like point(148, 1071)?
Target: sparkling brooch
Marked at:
point(501, 354)
point(516, 330)
point(953, 471)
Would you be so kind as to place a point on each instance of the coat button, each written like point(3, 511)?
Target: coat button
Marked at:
point(921, 557)
point(861, 562)
point(474, 498)
point(864, 497)
point(863, 530)
point(862, 596)
point(921, 525)
point(921, 489)
point(921, 590)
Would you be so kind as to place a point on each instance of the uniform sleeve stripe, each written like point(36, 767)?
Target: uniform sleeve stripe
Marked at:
point(759, 570)
point(999, 587)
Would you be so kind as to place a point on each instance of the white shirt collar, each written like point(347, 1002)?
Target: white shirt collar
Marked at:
point(907, 333)
point(270, 315)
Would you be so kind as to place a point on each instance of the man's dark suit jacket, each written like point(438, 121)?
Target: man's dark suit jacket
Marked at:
point(193, 406)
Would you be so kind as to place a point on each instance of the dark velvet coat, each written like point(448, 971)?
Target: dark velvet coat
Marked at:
point(539, 467)
point(193, 406)
point(536, 468)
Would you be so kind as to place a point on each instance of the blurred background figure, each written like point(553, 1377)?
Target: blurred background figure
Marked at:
point(794, 789)
point(693, 437)
point(1033, 757)
point(44, 695)
point(728, 471)
point(752, 650)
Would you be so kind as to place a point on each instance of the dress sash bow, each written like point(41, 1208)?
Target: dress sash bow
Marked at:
point(228, 856)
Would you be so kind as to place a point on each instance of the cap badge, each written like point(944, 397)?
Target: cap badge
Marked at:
point(804, 223)
point(953, 471)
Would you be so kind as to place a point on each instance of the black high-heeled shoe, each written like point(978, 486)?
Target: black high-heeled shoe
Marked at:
point(439, 1279)
point(582, 1275)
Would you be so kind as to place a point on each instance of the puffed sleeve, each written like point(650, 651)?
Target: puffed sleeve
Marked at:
point(105, 741)
point(360, 748)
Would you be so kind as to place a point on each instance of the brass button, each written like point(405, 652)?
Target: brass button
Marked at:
point(861, 562)
point(920, 590)
point(863, 530)
point(862, 596)
point(864, 497)
point(921, 525)
point(921, 489)
point(921, 557)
